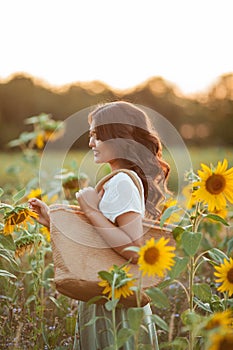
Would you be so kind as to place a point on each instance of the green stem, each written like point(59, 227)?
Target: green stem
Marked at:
point(191, 296)
point(114, 314)
point(139, 290)
point(182, 286)
point(191, 279)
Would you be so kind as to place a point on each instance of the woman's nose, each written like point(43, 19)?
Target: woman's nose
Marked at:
point(91, 141)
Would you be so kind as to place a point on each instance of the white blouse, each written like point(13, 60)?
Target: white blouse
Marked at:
point(120, 196)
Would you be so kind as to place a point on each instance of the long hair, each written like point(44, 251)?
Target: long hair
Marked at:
point(136, 145)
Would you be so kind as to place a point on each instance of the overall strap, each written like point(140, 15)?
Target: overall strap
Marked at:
point(130, 173)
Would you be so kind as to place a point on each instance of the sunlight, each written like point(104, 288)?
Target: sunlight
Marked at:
point(120, 45)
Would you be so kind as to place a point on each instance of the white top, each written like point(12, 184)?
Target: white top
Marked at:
point(120, 196)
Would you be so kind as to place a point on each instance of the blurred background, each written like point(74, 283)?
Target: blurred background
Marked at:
point(176, 57)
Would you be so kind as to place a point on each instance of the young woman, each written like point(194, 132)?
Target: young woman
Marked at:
point(122, 136)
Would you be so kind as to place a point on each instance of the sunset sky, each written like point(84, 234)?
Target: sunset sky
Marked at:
point(122, 43)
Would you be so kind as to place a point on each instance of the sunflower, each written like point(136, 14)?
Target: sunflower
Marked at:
point(221, 341)
point(123, 282)
point(155, 257)
point(219, 319)
point(18, 216)
point(45, 231)
point(35, 193)
point(215, 187)
point(39, 140)
point(224, 274)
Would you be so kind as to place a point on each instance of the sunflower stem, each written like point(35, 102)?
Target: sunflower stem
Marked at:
point(114, 313)
point(139, 290)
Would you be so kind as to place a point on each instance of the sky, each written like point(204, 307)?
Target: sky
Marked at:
point(119, 42)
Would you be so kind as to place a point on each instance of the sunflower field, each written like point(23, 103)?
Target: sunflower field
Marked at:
point(192, 305)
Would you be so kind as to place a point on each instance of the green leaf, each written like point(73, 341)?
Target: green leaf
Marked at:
point(95, 299)
point(218, 218)
point(123, 335)
point(203, 306)
point(135, 316)
point(158, 298)
point(4, 273)
point(19, 195)
point(179, 267)
point(55, 301)
point(107, 276)
point(5, 254)
point(132, 249)
point(164, 284)
point(202, 291)
point(93, 321)
point(1, 191)
point(159, 322)
point(178, 343)
point(190, 317)
point(167, 213)
point(111, 304)
point(191, 242)
point(230, 246)
point(30, 299)
point(217, 255)
point(7, 242)
point(177, 233)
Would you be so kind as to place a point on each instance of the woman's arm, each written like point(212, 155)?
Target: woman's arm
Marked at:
point(128, 232)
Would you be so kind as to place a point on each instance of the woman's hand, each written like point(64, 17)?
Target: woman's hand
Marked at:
point(41, 209)
point(88, 199)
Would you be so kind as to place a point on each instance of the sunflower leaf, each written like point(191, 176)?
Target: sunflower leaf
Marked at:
point(203, 306)
point(179, 267)
point(158, 298)
point(135, 315)
point(7, 242)
point(159, 322)
point(217, 255)
point(107, 276)
point(4, 273)
point(1, 191)
point(178, 343)
point(191, 242)
point(230, 246)
point(167, 213)
point(123, 335)
point(95, 299)
point(218, 218)
point(202, 291)
point(19, 195)
point(111, 304)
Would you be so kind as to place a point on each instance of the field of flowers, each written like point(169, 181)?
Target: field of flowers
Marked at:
point(192, 306)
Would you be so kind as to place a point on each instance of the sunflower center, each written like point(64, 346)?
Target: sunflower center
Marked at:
point(17, 218)
point(215, 184)
point(230, 275)
point(151, 255)
point(226, 344)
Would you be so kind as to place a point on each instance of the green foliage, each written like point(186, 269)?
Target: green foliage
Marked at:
point(34, 315)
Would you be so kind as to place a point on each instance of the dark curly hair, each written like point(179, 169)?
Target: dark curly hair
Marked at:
point(137, 147)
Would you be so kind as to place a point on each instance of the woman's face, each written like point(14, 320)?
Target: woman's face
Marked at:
point(102, 151)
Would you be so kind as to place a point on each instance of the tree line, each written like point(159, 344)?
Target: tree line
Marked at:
point(205, 119)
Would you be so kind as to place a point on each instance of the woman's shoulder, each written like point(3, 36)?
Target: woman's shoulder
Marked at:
point(120, 176)
point(124, 180)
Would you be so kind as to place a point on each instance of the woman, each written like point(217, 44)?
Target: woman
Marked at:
point(122, 136)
